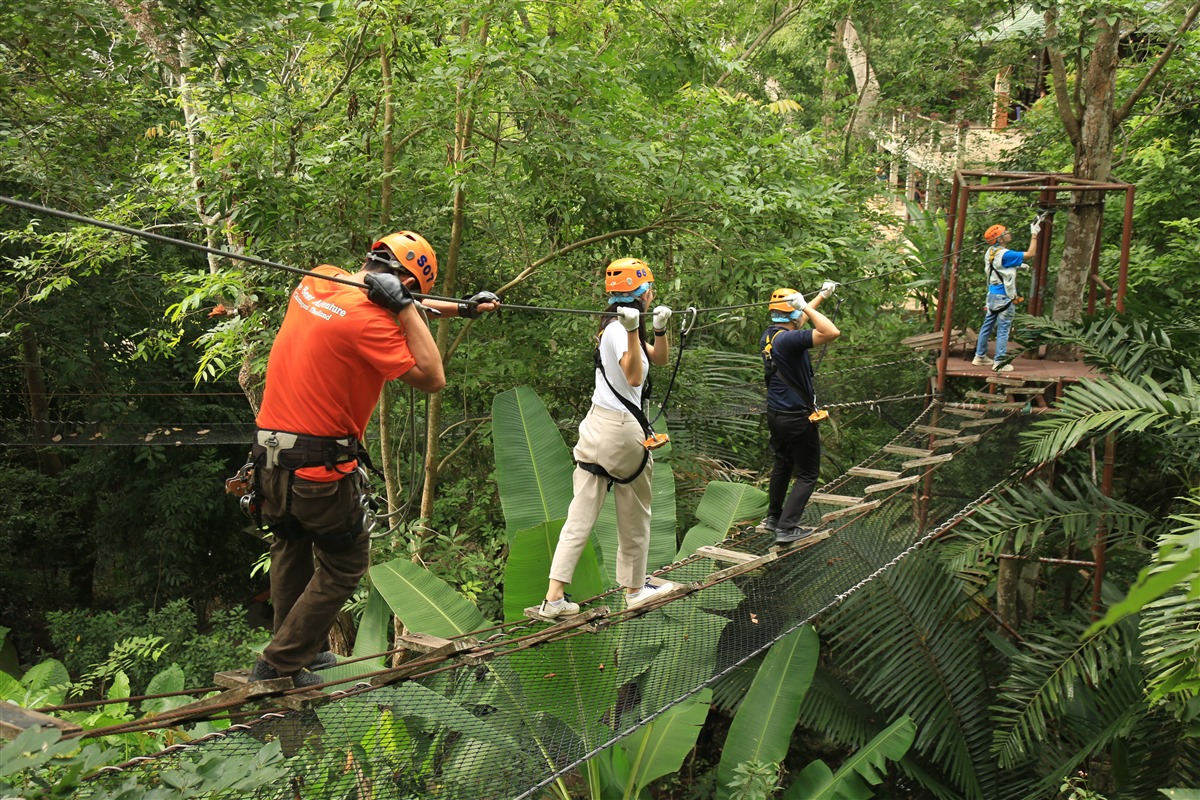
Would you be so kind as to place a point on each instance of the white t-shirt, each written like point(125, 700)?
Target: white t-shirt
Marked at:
point(613, 344)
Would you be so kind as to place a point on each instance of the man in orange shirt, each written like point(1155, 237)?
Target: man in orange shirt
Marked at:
point(337, 347)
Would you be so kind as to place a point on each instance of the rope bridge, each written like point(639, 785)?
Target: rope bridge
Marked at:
point(509, 710)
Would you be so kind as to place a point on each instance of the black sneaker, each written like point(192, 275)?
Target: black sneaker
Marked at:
point(264, 672)
point(324, 660)
point(793, 535)
point(768, 525)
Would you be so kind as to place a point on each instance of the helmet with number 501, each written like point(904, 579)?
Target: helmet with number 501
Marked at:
point(627, 276)
point(408, 252)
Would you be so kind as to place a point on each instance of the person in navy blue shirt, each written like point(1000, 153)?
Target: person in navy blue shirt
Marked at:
point(1000, 267)
point(791, 401)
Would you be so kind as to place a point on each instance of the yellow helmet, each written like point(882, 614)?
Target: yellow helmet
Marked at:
point(409, 252)
point(626, 276)
point(779, 300)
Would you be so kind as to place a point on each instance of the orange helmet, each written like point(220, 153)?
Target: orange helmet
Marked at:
point(993, 234)
point(626, 276)
point(410, 253)
point(779, 301)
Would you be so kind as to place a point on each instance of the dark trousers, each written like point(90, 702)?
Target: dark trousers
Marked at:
point(796, 443)
point(318, 555)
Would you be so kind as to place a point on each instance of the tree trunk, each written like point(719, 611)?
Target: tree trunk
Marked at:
point(463, 129)
point(1093, 161)
point(864, 80)
point(830, 77)
point(39, 401)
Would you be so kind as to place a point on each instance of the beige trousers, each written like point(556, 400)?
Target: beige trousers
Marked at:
point(612, 439)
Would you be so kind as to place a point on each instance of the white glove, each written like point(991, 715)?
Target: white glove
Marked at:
point(828, 288)
point(1035, 228)
point(630, 318)
point(796, 301)
point(662, 316)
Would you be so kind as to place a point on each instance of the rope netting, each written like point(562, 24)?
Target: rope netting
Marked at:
point(526, 704)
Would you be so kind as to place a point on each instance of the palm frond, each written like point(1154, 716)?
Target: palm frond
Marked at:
point(1118, 405)
point(1047, 676)
point(912, 649)
point(1119, 344)
point(1035, 519)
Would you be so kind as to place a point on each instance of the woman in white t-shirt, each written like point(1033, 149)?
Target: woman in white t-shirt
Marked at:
point(611, 444)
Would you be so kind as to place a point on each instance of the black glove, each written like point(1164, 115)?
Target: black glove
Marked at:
point(470, 309)
point(385, 289)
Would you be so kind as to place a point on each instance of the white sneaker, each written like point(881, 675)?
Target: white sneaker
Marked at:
point(980, 361)
point(645, 593)
point(1004, 368)
point(561, 607)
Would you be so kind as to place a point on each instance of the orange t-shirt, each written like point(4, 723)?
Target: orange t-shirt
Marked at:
point(333, 353)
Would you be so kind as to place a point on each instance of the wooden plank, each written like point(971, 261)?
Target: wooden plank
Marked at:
point(845, 512)
point(236, 679)
point(963, 412)
point(958, 440)
point(990, 399)
point(1000, 380)
point(14, 720)
point(881, 474)
point(835, 499)
point(302, 700)
point(901, 450)
point(1027, 390)
point(435, 645)
point(979, 423)
point(934, 431)
point(800, 544)
point(896, 484)
point(721, 554)
point(928, 460)
point(737, 569)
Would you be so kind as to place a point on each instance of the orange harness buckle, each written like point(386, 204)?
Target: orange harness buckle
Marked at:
point(818, 415)
point(656, 441)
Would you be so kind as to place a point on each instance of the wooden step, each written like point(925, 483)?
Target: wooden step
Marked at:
point(901, 450)
point(1027, 390)
point(845, 512)
point(881, 474)
point(990, 399)
point(721, 554)
point(931, 430)
point(979, 423)
point(928, 461)
point(239, 687)
point(963, 412)
point(896, 484)
point(426, 644)
point(1000, 380)
point(14, 720)
point(957, 441)
point(835, 499)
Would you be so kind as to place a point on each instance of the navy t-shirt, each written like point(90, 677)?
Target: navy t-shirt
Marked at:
point(789, 350)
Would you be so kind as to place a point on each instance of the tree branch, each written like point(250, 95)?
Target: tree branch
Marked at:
point(1120, 114)
point(1058, 71)
point(780, 20)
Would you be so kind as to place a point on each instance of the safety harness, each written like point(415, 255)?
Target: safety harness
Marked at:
point(770, 370)
point(653, 440)
point(994, 253)
point(273, 449)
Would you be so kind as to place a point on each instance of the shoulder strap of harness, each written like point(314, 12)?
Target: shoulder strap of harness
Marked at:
point(637, 413)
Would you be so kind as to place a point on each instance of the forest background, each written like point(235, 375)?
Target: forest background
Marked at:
point(726, 144)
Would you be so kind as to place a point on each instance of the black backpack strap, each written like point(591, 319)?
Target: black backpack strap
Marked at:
point(637, 413)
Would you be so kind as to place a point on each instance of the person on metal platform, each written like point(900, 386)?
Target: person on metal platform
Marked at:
point(1000, 267)
point(792, 413)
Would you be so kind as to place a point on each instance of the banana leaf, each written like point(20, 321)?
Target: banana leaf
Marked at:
point(424, 602)
point(866, 766)
point(762, 728)
point(533, 464)
point(659, 748)
point(723, 505)
point(527, 569)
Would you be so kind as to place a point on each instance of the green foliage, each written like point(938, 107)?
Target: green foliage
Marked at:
point(97, 645)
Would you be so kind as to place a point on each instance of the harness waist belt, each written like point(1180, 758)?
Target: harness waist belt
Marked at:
point(293, 451)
